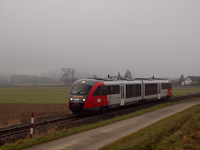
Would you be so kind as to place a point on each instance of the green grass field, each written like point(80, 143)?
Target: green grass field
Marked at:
point(34, 94)
point(185, 90)
point(45, 94)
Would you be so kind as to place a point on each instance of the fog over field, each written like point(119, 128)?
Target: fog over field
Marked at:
point(154, 37)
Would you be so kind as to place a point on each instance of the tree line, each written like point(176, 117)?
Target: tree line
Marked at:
point(67, 78)
point(27, 79)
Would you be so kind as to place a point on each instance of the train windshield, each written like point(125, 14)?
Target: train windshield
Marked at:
point(81, 89)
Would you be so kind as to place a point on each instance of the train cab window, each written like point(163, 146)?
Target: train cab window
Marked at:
point(133, 90)
point(166, 85)
point(81, 89)
point(101, 90)
point(151, 89)
point(169, 86)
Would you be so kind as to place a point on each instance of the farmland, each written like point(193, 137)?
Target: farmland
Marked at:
point(17, 103)
point(185, 90)
point(34, 94)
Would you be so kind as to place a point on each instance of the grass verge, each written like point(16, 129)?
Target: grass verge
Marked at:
point(179, 132)
point(20, 144)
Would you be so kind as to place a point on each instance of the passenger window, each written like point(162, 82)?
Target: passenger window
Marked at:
point(151, 89)
point(133, 90)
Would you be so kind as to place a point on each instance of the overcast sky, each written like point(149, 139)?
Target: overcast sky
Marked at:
point(149, 37)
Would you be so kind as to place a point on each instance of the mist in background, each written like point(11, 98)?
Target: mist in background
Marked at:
point(155, 37)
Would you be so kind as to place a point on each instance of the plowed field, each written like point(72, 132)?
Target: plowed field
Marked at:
point(12, 114)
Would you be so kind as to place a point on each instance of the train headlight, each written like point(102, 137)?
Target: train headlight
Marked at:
point(84, 99)
point(71, 99)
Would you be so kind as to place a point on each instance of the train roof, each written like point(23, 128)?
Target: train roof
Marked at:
point(108, 81)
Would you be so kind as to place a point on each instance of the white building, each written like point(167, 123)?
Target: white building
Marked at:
point(191, 80)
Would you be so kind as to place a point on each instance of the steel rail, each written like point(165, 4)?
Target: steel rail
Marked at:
point(9, 133)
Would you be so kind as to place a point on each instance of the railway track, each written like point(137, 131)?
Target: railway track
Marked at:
point(21, 131)
point(11, 134)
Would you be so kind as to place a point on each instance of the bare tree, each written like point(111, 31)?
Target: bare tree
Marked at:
point(73, 71)
point(128, 74)
point(66, 74)
point(119, 76)
point(181, 79)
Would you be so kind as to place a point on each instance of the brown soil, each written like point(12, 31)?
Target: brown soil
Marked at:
point(12, 114)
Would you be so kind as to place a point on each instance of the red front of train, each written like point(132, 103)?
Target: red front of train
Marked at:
point(82, 96)
point(169, 92)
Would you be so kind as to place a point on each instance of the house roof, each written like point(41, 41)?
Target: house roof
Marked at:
point(194, 78)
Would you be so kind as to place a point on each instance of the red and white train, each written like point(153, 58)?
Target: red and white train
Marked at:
point(100, 94)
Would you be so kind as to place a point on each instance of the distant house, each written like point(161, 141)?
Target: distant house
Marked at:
point(191, 80)
point(113, 77)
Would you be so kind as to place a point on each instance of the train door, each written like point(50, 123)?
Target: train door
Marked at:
point(143, 90)
point(122, 91)
point(159, 90)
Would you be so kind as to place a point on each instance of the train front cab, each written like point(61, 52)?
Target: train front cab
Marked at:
point(96, 96)
point(78, 95)
point(169, 89)
point(82, 96)
point(165, 89)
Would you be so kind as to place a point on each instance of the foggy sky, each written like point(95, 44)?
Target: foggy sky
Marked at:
point(149, 37)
